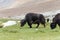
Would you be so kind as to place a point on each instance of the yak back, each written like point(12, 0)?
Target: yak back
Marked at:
point(34, 17)
point(57, 18)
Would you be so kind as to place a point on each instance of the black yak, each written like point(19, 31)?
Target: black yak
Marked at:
point(33, 18)
point(55, 21)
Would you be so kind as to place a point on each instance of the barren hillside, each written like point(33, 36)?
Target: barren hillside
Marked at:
point(32, 6)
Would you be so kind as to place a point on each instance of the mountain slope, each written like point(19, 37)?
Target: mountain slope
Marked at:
point(35, 6)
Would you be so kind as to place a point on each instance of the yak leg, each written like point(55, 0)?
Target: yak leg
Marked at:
point(30, 24)
point(37, 25)
point(59, 25)
point(43, 24)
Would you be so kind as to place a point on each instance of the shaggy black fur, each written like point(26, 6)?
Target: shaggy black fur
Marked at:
point(55, 21)
point(33, 18)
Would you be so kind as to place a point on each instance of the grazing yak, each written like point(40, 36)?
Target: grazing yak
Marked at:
point(55, 21)
point(33, 18)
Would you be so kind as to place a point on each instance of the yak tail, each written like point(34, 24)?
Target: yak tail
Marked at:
point(23, 22)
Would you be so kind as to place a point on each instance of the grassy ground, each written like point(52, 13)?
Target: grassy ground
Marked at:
point(16, 32)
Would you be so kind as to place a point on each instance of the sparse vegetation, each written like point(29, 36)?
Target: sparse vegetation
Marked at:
point(16, 32)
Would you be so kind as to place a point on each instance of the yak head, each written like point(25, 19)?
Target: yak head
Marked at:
point(53, 25)
point(23, 22)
